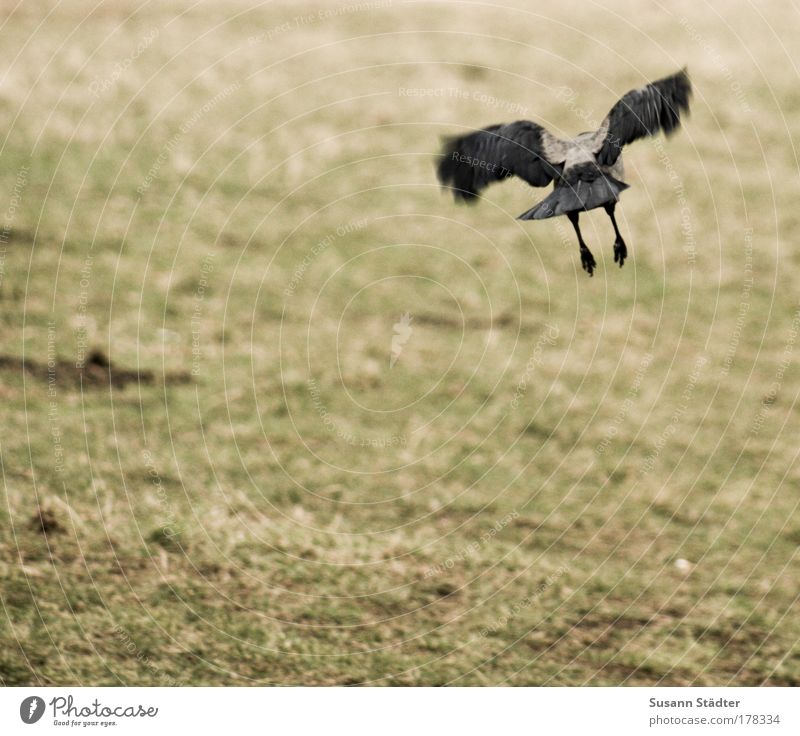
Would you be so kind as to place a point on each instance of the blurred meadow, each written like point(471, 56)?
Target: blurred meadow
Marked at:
point(276, 411)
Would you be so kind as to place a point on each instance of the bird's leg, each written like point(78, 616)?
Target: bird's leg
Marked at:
point(587, 259)
point(620, 249)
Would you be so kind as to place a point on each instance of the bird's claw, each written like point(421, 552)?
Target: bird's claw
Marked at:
point(587, 261)
point(620, 252)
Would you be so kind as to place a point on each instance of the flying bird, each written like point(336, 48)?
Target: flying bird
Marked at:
point(586, 170)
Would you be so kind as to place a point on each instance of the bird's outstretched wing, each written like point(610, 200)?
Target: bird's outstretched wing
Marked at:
point(470, 163)
point(641, 112)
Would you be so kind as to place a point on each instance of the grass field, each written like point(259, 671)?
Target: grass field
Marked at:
point(533, 478)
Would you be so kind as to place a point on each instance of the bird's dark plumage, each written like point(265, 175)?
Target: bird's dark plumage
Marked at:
point(583, 187)
point(655, 108)
point(471, 162)
point(587, 170)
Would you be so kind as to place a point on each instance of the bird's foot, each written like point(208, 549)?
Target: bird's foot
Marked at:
point(587, 260)
point(620, 252)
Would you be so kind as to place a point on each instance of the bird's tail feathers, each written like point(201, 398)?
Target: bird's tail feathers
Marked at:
point(577, 196)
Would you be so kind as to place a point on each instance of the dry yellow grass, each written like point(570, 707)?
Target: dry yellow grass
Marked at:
point(560, 481)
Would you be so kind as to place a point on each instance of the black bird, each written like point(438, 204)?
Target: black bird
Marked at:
point(587, 170)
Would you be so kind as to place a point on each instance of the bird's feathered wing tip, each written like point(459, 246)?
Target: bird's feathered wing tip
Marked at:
point(675, 91)
point(654, 108)
point(452, 173)
point(470, 163)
